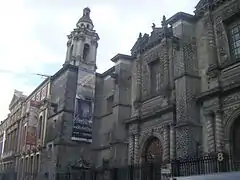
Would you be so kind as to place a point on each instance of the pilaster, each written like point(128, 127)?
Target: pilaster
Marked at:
point(219, 131)
point(210, 131)
point(166, 63)
point(130, 150)
point(166, 145)
point(136, 149)
point(172, 142)
point(212, 71)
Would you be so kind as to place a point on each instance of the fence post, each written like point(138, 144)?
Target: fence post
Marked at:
point(131, 172)
point(114, 174)
point(175, 168)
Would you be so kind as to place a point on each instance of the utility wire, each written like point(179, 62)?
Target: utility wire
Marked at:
point(19, 73)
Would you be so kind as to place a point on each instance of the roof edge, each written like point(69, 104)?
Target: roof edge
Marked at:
point(181, 16)
point(122, 56)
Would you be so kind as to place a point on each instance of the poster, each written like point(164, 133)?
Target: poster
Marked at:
point(82, 122)
point(31, 137)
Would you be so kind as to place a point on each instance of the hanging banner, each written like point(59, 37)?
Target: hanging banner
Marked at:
point(31, 136)
point(82, 122)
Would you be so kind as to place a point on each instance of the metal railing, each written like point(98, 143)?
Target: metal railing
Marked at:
point(147, 171)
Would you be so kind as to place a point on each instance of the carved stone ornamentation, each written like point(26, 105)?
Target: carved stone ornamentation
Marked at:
point(233, 98)
point(69, 43)
point(165, 63)
point(228, 112)
point(131, 150)
point(151, 56)
point(230, 10)
point(222, 42)
point(166, 145)
point(139, 79)
point(172, 142)
point(210, 131)
point(219, 134)
point(136, 149)
point(145, 80)
point(133, 129)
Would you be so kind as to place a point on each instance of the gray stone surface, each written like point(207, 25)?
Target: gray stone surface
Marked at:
point(198, 75)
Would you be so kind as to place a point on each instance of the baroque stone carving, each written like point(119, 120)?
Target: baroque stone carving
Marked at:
point(210, 132)
point(233, 98)
point(145, 79)
point(219, 131)
point(221, 39)
point(231, 10)
point(228, 112)
point(133, 128)
point(184, 142)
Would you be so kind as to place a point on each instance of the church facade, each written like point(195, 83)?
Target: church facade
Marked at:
point(176, 96)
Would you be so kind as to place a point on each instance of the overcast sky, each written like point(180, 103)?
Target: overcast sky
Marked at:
point(33, 35)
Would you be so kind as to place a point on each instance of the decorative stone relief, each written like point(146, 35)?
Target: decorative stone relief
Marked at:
point(184, 142)
point(133, 129)
point(165, 60)
point(166, 143)
point(130, 149)
point(146, 79)
point(189, 51)
point(151, 56)
point(211, 103)
point(230, 10)
point(139, 80)
point(172, 142)
point(233, 98)
point(210, 131)
point(219, 131)
point(228, 112)
point(222, 43)
point(136, 149)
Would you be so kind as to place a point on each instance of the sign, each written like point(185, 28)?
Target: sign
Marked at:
point(82, 122)
point(31, 136)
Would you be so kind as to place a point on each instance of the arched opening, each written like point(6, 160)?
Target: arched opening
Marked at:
point(86, 50)
point(153, 151)
point(235, 134)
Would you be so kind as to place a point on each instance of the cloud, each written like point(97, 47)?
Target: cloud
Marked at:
point(33, 35)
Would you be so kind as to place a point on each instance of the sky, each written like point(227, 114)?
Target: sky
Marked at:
point(33, 35)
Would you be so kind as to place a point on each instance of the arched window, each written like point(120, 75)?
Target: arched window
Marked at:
point(86, 51)
point(40, 127)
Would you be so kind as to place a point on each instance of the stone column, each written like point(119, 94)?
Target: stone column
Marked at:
point(166, 141)
point(210, 131)
point(219, 131)
point(136, 149)
point(172, 142)
point(130, 149)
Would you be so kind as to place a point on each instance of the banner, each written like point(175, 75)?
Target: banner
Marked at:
point(82, 122)
point(31, 136)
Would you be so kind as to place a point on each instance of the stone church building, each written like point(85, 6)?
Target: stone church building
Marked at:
point(176, 96)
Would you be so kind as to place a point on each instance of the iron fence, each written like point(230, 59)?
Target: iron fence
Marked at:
point(147, 171)
point(204, 165)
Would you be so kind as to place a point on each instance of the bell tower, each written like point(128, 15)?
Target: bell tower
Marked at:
point(81, 52)
point(82, 42)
